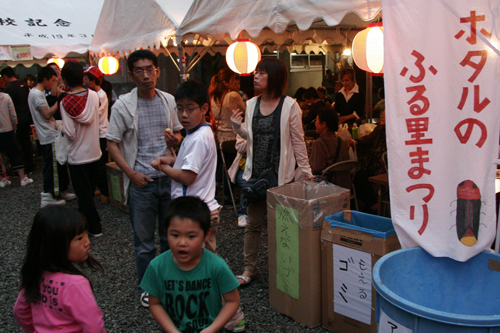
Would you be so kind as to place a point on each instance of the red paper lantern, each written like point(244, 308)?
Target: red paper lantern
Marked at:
point(368, 49)
point(243, 56)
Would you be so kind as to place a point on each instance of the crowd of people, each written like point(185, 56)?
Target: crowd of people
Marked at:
point(169, 183)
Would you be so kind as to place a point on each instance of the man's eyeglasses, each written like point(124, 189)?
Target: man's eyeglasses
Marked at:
point(149, 71)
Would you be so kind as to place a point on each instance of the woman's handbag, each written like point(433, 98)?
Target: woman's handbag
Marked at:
point(62, 144)
point(255, 190)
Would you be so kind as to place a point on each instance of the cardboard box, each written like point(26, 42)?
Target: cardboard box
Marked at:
point(295, 214)
point(351, 244)
point(115, 186)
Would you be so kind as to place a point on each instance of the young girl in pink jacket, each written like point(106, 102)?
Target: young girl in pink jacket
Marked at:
point(55, 294)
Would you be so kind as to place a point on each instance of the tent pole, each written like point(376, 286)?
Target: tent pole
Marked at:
point(368, 98)
point(199, 56)
point(182, 63)
point(171, 57)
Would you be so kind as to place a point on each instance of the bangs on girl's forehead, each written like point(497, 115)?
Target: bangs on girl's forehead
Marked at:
point(261, 68)
point(81, 225)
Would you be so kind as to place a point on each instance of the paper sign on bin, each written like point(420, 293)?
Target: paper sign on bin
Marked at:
point(287, 250)
point(352, 283)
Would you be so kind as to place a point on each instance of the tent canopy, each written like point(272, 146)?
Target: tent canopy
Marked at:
point(125, 26)
point(51, 28)
point(211, 24)
point(284, 18)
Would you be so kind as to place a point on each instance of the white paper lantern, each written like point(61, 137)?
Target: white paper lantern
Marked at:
point(58, 61)
point(108, 65)
point(368, 49)
point(243, 56)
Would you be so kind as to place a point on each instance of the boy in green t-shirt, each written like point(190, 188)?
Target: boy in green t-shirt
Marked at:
point(190, 288)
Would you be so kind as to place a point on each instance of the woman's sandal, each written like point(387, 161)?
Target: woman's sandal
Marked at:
point(246, 279)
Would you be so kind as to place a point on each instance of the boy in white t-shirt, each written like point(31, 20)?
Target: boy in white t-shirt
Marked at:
point(93, 78)
point(193, 171)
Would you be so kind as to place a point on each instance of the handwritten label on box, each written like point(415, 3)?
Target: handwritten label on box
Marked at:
point(352, 283)
point(287, 250)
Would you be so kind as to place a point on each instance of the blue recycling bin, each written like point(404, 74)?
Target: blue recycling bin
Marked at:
point(426, 294)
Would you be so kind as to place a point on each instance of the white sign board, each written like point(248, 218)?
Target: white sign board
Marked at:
point(5, 53)
point(21, 53)
point(352, 283)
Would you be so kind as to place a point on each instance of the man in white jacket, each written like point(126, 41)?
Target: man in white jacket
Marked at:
point(137, 134)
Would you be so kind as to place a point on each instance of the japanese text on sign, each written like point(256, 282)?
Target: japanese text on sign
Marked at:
point(480, 56)
point(352, 283)
point(31, 22)
point(21, 53)
point(417, 128)
point(287, 250)
point(388, 325)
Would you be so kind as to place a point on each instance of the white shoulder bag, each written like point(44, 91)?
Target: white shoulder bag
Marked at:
point(62, 144)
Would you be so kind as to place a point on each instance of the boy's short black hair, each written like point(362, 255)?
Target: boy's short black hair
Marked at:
point(140, 55)
point(8, 72)
point(191, 208)
point(72, 73)
point(194, 91)
point(46, 72)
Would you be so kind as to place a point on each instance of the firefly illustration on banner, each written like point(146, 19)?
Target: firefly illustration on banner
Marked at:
point(468, 212)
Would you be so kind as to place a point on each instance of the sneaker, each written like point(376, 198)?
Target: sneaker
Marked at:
point(240, 327)
point(242, 221)
point(26, 181)
point(5, 182)
point(145, 299)
point(48, 199)
point(67, 196)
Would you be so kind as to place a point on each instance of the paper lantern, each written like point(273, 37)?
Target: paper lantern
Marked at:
point(243, 56)
point(58, 61)
point(108, 65)
point(368, 49)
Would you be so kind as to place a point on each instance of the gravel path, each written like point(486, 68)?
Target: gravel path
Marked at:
point(115, 290)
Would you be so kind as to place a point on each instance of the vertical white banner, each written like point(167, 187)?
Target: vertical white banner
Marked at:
point(352, 283)
point(442, 110)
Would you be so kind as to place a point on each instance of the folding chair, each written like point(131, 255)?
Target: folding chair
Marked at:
point(350, 165)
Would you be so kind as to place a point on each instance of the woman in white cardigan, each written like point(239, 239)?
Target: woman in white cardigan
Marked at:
point(270, 78)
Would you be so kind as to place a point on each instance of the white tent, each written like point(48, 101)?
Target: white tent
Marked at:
point(210, 25)
point(278, 20)
point(47, 28)
point(125, 26)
